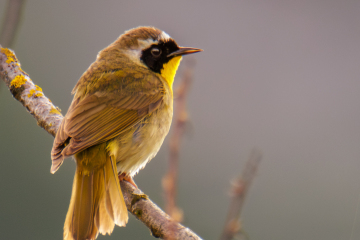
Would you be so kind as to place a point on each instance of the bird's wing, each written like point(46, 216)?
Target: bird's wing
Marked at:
point(101, 116)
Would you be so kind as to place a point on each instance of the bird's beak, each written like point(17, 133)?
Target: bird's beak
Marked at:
point(184, 51)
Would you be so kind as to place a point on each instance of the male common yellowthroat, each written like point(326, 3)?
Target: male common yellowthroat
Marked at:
point(121, 112)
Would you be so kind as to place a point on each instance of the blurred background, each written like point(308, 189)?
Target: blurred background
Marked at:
point(282, 76)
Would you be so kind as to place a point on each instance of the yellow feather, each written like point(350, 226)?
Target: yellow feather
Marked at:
point(169, 70)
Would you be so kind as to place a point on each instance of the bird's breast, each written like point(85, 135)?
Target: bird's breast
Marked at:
point(138, 146)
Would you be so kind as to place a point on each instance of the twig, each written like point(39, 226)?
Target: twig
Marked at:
point(180, 118)
point(49, 118)
point(169, 181)
point(11, 22)
point(239, 191)
point(160, 223)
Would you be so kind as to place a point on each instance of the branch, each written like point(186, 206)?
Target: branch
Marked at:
point(159, 223)
point(239, 191)
point(49, 117)
point(11, 22)
point(29, 94)
point(169, 181)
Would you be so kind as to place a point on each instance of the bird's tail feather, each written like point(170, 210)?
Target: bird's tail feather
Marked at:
point(96, 204)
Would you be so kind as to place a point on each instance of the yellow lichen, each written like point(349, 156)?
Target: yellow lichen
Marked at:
point(18, 81)
point(32, 91)
point(8, 54)
point(54, 111)
point(9, 60)
point(18, 65)
point(38, 88)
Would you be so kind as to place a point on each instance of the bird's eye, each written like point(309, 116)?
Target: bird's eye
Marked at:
point(156, 52)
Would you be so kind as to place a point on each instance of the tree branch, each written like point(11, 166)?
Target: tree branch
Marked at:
point(159, 223)
point(238, 194)
point(49, 117)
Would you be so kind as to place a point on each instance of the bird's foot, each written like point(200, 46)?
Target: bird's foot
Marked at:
point(129, 179)
point(137, 193)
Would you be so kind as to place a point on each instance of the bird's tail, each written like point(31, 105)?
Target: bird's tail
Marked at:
point(97, 203)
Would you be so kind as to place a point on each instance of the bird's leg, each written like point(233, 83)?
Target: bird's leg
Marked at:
point(138, 194)
point(127, 178)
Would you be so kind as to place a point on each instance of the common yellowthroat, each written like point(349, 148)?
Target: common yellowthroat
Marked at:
point(121, 112)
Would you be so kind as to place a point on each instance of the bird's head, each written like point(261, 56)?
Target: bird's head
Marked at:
point(153, 49)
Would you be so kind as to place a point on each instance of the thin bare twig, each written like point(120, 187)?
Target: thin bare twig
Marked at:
point(180, 119)
point(238, 194)
point(49, 118)
point(11, 22)
point(169, 181)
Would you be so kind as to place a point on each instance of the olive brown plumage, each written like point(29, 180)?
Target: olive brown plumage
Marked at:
point(121, 112)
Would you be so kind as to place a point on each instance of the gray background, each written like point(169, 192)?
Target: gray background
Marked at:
point(282, 76)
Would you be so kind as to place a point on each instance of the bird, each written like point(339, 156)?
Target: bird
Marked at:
point(117, 121)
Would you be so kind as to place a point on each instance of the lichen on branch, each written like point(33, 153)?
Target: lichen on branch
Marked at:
point(25, 91)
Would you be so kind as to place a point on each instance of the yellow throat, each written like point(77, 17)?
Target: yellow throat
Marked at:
point(169, 70)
